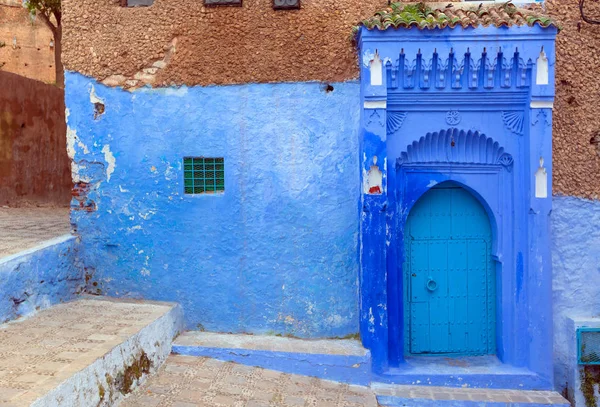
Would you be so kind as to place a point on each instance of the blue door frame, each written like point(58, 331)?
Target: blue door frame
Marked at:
point(465, 106)
point(491, 185)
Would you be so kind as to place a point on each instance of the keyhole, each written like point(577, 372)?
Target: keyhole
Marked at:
point(414, 275)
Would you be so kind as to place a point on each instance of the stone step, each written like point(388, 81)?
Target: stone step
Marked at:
point(89, 352)
point(433, 396)
point(465, 371)
point(341, 360)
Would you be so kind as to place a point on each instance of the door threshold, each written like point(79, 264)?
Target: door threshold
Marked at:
point(467, 371)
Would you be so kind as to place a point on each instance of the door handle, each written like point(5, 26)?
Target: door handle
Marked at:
point(431, 284)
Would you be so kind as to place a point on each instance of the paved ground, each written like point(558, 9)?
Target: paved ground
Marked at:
point(187, 381)
point(481, 395)
point(24, 228)
point(41, 352)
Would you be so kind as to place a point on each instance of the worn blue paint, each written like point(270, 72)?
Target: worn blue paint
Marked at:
point(447, 111)
point(275, 253)
point(576, 265)
point(39, 278)
point(393, 401)
point(340, 368)
point(463, 371)
point(449, 296)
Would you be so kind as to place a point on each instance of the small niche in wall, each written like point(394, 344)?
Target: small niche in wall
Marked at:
point(136, 3)
point(541, 181)
point(237, 3)
point(203, 175)
point(376, 69)
point(374, 179)
point(286, 4)
point(541, 77)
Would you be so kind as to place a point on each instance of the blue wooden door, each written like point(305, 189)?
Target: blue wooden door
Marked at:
point(449, 296)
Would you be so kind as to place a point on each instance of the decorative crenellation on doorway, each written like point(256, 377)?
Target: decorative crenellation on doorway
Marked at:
point(488, 69)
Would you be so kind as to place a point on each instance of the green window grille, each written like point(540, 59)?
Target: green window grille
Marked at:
point(588, 346)
point(203, 175)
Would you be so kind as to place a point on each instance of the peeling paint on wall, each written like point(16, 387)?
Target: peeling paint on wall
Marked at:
point(292, 183)
point(110, 161)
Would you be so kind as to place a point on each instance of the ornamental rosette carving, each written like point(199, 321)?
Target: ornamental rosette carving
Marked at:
point(453, 117)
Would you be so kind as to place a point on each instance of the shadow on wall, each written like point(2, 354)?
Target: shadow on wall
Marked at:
point(34, 166)
point(39, 278)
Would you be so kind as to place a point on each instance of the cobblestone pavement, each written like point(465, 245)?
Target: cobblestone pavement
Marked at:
point(24, 228)
point(187, 381)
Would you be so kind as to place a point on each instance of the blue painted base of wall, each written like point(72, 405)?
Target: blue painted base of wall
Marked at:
point(39, 278)
point(524, 381)
point(470, 371)
point(391, 401)
point(340, 368)
point(357, 369)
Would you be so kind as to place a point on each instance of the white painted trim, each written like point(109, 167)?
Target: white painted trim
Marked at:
point(541, 104)
point(541, 76)
point(375, 104)
point(376, 68)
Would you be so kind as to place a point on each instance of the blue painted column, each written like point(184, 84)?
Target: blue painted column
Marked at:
point(539, 276)
point(373, 207)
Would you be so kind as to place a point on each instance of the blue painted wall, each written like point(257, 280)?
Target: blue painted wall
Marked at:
point(38, 278)
point(277, 252)
point(576, 267)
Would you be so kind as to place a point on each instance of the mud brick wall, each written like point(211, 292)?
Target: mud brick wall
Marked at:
point(32, 57)
point(34, 165)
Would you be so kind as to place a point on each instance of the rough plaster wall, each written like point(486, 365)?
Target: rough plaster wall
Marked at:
point(577, 106)
point(576, 271)
point(275, 253)
point(34, 166)
point(37, 279)
point(215, 45)
point(33, 57)
point(256, 44)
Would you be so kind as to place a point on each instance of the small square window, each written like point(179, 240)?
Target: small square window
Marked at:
point(203, 175)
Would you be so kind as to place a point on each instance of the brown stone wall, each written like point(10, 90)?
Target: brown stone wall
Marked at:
point(32, 57)
point(219, 45)
point(577, 104)
point(34, 166)
point(182, 42)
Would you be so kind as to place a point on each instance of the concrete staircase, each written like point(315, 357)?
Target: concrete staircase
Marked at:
point(340, 360)
point(91, 352)
point(347, 361)
point(96, 351)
